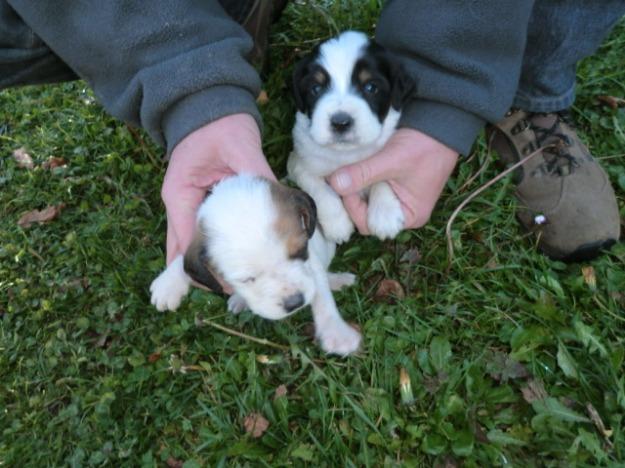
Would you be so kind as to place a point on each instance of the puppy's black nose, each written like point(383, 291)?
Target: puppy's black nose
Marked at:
point(293, 302)
point(341, 122)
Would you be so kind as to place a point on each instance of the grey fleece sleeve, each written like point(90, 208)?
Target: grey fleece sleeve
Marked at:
point(169, 66)
point(466, 57)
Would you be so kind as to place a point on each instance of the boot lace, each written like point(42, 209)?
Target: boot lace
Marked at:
point(558, 160)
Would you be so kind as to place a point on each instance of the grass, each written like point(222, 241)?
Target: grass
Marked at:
point(503, 359)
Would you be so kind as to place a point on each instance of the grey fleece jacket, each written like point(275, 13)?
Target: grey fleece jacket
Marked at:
point(172, 66)
point(169, 66)
point(466, 56)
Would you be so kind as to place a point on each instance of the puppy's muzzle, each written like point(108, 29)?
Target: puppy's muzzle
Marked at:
point(341, 122)
point(293, 302)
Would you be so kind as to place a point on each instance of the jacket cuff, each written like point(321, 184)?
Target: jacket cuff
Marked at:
point(450, 125)
point(201, 108)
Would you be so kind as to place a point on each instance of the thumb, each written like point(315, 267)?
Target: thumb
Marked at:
point(355, 177)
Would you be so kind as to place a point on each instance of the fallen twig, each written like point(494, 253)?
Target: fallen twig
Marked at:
point(477, 174)
point(230, 331)
point(450, 245)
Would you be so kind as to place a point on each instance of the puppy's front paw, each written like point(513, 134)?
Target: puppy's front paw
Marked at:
point(170, 287)
point(339, 338)
point(236, 304)
point(340, 280)
point(168, 291)
point(385, 217)
point(335, 222)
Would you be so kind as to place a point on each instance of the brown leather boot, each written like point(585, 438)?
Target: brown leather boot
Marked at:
point(564, 195)
point(256, 16)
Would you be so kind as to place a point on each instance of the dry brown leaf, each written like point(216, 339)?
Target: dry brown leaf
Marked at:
point(40, 216)
point(23, 159)
point(411, 256)
point(389, 289)
point(309, 331)
point(154, 357)
point(477, 236)
point(447, 462)
point(612, 102)
point(535, 390)
point(588, 272)
point(255, 424)
point(280, 392)
point(54, 162)
point(262, 98)
point(173, 463)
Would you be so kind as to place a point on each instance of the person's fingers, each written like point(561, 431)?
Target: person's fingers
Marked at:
point(417, 209)
point(355, 177)
point(415, 217)
point(357, 210)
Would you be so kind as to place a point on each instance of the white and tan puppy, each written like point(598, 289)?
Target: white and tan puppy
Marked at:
point(262, 239)
point(349, 93)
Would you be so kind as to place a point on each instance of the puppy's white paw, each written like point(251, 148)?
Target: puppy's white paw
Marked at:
point(170, 287)
point(340, 280)
point(339, 338)
point(236, 304)
point(335, 222)
point(385, 217)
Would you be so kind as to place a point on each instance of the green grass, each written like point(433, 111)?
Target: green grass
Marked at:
point(91, 374)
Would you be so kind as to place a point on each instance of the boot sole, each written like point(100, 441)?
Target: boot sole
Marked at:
point(583, 253)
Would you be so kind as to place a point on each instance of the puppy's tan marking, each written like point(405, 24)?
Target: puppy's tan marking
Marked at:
point(364, 75)
point(297, 219)
point(320, 77)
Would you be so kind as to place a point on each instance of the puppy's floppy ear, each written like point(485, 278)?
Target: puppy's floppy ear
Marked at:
point(298, 84)
point(307, 210)
point(197, 263)
point(403, 86)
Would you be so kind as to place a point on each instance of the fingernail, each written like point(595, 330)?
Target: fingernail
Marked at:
point(343, 181)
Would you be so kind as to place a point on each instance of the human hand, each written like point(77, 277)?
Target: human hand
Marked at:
point(415, 165)
point(225, 147)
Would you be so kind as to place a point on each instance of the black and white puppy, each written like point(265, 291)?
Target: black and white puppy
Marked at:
point(349, 94)
point(261, 237)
